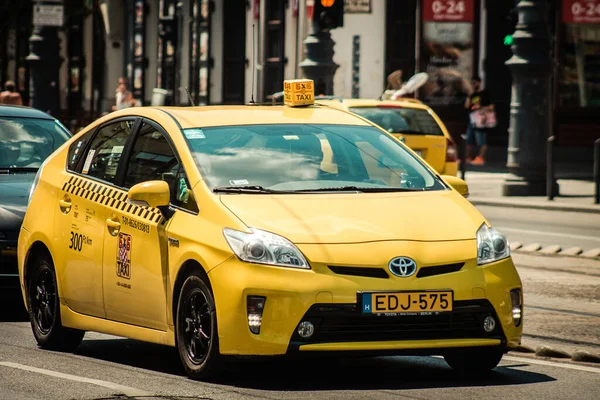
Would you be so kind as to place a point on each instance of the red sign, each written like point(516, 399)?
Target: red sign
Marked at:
point(581, 11)
point(448, 10)
point(310, 9)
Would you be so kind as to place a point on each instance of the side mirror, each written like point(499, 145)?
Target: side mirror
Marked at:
point(150, 194)
point(458, 184)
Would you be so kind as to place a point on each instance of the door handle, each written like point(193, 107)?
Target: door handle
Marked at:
point(65, 205)
point(113, 226)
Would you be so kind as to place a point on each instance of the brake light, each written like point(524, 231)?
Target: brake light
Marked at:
point(451, 153)
point(388, 106)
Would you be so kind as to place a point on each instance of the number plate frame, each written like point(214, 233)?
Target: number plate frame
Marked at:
point(362, 295)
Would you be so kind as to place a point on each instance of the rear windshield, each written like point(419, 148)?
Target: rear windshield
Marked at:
point(26, 142)
point(401, 120)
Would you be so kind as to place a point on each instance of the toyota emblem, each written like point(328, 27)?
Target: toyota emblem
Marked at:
point(402, 266)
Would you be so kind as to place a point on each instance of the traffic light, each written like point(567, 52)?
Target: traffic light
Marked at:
point(329, 13)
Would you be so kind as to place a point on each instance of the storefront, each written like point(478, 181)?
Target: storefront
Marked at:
point(577, 72)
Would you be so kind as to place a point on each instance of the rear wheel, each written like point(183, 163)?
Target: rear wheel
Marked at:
point(474, 360)
point(44, 310)
point(196, 329)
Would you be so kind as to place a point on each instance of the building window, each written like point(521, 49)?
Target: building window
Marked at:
point(200, 60)
point(579, 70)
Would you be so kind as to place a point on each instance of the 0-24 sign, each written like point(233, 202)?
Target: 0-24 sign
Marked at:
point(448, 10)
point(581, 11)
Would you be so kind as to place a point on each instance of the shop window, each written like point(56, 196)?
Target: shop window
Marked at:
point(579, 69)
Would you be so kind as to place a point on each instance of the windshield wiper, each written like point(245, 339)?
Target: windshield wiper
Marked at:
point(360, 189)
point(9, 170)
point(246, 189)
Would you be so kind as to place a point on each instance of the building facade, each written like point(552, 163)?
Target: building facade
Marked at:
point(180, 52)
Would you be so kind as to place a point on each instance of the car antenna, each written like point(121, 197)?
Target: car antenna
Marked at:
point(190, 96)
point(253, 67)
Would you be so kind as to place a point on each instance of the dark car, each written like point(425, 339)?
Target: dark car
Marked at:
point(27, 137)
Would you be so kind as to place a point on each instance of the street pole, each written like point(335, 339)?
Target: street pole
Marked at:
point(318, 64)
point(531, 102)
point(44, 62)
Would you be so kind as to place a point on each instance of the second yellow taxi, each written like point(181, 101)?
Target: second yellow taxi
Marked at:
point(260, 231)
point(410, 121)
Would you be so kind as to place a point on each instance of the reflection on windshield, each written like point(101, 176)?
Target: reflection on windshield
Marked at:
point(400, 120)
point(27, 142)
point(305, 157)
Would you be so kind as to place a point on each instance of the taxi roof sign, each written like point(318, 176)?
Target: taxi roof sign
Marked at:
point(298, 92)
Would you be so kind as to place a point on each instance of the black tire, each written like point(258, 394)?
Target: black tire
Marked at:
point(44, 309)
point(196, 330)
point(474, 361)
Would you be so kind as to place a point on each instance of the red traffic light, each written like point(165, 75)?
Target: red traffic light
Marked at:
point(329, 14)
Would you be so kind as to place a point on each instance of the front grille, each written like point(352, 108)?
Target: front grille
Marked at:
point(345, 323)
point(360, 271)
point(439, 270)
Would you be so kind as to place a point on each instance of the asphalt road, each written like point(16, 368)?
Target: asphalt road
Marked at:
point(567, 229)
point(107, 367)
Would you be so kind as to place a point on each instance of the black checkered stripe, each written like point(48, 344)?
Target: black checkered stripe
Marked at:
point(110, 197)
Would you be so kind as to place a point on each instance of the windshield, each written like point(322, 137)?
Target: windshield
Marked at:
point(27, 142)
point(401, 120)
point(302, 157)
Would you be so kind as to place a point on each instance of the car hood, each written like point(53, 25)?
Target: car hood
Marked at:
point(359, 218)
point(14, 193)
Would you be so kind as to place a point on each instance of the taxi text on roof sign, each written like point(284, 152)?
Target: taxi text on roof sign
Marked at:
point(298, 92)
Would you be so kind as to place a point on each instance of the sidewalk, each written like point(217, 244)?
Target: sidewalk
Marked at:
point(576, 189)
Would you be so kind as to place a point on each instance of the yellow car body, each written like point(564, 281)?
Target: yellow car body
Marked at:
point(436, 146)
point(121, 256)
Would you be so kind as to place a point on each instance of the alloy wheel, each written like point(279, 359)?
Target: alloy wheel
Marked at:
point(44, 300)
point(198, 327)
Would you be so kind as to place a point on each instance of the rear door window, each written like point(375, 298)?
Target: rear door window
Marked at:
point(103, 156)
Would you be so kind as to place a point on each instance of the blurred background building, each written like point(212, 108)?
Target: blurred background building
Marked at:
point(228, 51)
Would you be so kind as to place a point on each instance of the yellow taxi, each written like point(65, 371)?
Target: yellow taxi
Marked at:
point(223, 231)
point(411, 121)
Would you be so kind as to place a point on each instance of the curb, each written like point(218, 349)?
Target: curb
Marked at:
point(551, 352)
point(548, 205)
point(555, 250)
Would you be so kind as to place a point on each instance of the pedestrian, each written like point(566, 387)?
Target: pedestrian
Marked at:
point(123, 97)
point(10, 94)
point(480, 107)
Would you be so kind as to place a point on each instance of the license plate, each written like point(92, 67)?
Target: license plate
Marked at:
point(407, 302)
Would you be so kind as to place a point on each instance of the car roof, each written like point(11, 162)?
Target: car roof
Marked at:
point(406, 103)
point(22, 111)
point(206, 116)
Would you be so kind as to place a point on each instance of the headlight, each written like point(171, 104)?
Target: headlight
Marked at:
point(265, 248)
point(491, 245)
point(35, 183)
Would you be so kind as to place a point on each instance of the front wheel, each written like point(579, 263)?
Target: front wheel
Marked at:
point(44, 309)
point(474, 360)
point(196, 329)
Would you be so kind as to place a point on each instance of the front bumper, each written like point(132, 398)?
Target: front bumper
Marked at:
point(9, 273)
point(329, 299)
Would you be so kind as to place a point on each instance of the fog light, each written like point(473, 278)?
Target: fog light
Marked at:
point(489, 324)
point(517, 306)
point(306, 329)
point(255, 307)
